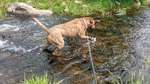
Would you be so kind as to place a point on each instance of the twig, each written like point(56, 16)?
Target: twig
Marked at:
point(91, 60)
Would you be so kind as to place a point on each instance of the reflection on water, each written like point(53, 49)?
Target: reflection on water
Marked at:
point(21, 52)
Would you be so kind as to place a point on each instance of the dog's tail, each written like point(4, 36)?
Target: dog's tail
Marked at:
point(41, 25)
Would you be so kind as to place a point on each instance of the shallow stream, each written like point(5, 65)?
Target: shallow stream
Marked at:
point(121, 52)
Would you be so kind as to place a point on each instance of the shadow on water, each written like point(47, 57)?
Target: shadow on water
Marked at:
point(21, 51)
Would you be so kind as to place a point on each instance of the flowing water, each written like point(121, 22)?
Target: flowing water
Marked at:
point(121, 52)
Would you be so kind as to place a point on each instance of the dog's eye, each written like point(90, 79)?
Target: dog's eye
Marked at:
point(91, 22)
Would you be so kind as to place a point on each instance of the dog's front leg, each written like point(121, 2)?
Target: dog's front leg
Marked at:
point(84, 37)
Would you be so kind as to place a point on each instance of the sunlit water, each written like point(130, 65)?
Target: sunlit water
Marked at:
point(121, 51)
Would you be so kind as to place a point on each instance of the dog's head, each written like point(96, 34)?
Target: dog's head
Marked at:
point(90, 22)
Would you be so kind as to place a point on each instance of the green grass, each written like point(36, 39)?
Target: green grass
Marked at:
point(74, 7)
point(40, 80)
point(37, 80)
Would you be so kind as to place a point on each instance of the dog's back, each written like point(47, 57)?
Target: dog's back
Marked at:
point(68, 29)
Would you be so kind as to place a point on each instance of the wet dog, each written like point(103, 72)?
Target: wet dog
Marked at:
point(74, 28)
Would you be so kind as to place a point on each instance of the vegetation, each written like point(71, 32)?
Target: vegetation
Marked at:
point(40, 80)
point(37, 80)
point(77, 7)
point(134, 78)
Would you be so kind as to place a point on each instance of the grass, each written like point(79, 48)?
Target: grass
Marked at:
point(40, 80)
point(37, 80)
point(131, 78)
point(75, 7)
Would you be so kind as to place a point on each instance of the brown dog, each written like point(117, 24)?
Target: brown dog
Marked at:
point(73, 28)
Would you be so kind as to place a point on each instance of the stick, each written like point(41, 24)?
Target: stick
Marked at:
point(91, 60)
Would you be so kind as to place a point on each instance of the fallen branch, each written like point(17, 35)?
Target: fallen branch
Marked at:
point(20, 8)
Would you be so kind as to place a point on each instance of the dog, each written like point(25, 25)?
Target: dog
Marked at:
point(74, 28)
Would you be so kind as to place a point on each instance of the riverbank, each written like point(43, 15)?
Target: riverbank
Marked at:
point(79, 7)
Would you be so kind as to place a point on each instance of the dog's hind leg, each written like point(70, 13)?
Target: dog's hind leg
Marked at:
point(59, 43)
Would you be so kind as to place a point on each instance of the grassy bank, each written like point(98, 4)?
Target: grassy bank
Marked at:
point(77, 7)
